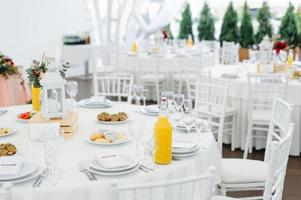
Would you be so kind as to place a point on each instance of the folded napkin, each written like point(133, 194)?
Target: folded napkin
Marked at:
point(111, 161)
point(10, 166)
point(183, 145)
point(96, 100)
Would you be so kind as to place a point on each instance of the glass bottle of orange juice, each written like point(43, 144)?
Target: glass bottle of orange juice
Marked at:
point(290, 59)
point(163, 136)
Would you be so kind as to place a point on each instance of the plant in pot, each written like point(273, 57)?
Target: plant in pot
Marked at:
point(229, 30)
point(264, 23)
point(206, 27)
point(186, 24)
point(35, 73)
point(246, 37)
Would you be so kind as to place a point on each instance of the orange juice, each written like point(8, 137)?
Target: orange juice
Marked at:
point(163, 140)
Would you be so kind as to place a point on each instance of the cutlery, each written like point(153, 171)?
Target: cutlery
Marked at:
point(4, 165)
point(40, 178)
point(82, 166)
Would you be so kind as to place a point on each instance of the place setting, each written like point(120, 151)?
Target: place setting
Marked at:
point(95, 102)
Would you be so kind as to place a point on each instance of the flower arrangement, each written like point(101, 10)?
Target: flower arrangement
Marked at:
point(7, 66)
point(39, 68)
point(279, 45)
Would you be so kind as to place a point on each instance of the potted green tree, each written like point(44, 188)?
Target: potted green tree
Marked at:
point(206, 27)
point(229, 30)
point(246, 37)
point(264, 24)
point(186, 24)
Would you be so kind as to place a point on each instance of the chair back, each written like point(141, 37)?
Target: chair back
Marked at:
point(279, 123)
point(279, 153)
point(212, 99)
point(263, 88)
point(191, 76)
point(112, 85)
point(229, 53)
point(196, 187)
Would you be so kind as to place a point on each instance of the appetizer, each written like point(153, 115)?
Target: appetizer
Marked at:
point(7, 149)
point(4, 131)
point(26, 115)
point(104, 116)
point(101, 137)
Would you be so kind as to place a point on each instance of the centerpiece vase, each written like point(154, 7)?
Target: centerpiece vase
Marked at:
point(36, 103)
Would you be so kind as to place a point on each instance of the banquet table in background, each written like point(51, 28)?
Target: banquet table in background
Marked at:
point(13, 91)
point(238, 93)
point(74, 184)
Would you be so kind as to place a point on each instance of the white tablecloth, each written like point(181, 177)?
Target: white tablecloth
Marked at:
point(74, 184)
point(238, 92)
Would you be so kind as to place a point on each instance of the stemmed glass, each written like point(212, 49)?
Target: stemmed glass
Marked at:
point(52, 146)
point(137, 93)
point(178, 100)
point(188, 118)
point(136, 133)
point(143, 96)
point(169, 96)
point(148, 145)
point(72, 89)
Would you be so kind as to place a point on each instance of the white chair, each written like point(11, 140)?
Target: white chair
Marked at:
point(214, 48)
point(5, 194)
point(262, 91)
point(229, 55)
point(150, 75)
point(246, 175)
point(192, 76)
point(112, 85)
point(211, 103)
point(188, 188)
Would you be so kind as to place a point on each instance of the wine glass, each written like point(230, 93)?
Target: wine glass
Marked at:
point(178, 100)
point(169, 96)
point(138, 92)
point(52, 147)
point(200, 126)
point(136, 133)
point(72, 89)
point(187, 105)
point(143, 96)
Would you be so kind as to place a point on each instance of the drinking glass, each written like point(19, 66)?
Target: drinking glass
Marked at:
point(178, 100)
point(148, 147)
point(52, 147)
point(143, 96)
point(187, 106)
point(72, 89)
point(136, 133)
point(200, 126)
point(188, 122)
point(169, 96)
point(137, 93)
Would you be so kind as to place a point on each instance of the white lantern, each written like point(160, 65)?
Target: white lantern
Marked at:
point(53, 94)
point(265, 51)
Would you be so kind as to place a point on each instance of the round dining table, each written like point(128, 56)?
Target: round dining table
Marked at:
point(74, 184)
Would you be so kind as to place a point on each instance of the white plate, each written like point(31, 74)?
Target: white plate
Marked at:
point(182, 128)
point(148, 113)
point(26, 169)
point(117, 122)
point(114, 173)
point(109, 144)
point(31, 176)
point(133, 163)
point(185, 155)
point(186, 150)
point(12, 131)
point(22, 120)
point(152, 109)
point(106, 104)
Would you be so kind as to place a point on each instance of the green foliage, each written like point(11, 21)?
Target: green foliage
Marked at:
point(264, 24)
point(7, 66)
point(186, 24)
point(38, 68)
point(229, 30)
point(288, 29)
point(206, 26)
point(246, 38)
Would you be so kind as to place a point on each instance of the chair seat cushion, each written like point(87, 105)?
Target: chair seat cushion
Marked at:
point(222, 198)
point(243, 171)
point(152, 77)
point(261, 115)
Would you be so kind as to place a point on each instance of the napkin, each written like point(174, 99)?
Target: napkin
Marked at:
point(111, 161)
point(96, 100)
point(10, 166)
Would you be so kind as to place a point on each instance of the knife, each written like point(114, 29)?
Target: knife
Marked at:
point(40, 178)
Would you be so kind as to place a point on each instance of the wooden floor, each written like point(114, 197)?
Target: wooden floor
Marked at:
point(292, 187)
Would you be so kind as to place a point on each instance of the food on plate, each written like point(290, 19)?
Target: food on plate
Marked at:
point(104, 116)
point(105, 138)
point(4, 131)
point(7, 149)
point(26, 115)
